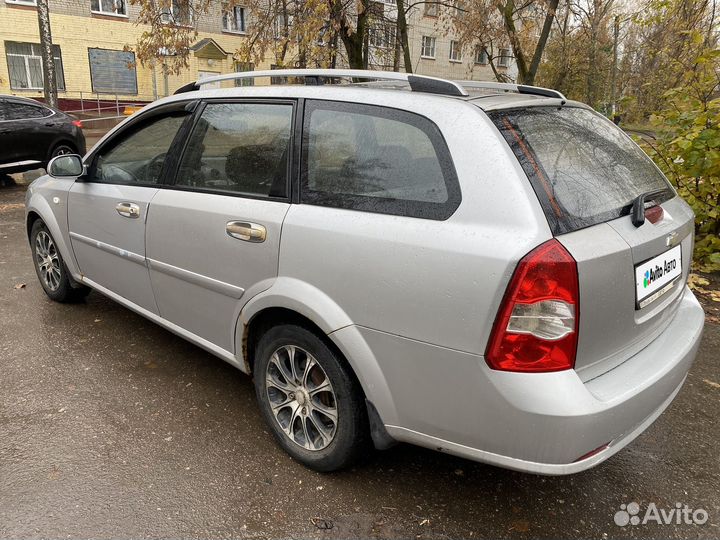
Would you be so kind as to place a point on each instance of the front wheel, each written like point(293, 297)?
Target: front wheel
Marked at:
point(50, 268)
point(310, 399)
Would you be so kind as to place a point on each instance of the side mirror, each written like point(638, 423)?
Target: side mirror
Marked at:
point(66, 166)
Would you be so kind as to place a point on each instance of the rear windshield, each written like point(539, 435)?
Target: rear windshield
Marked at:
point(584, 169)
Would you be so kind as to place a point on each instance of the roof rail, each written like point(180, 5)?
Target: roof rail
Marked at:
point(418, 83)
point(511, 87)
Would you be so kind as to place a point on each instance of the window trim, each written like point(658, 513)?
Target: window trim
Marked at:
point(29, 3)
point(422, 47)
point(292, 162)
point(483, 57)
point(455, 48)
point(132, 126)
point(244, 19)
point(504, 59)
point(168, 18)
point(58, 80)
point(378, 205)
point(110, 13)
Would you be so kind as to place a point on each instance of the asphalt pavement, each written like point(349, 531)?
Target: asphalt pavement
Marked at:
point(113, 427)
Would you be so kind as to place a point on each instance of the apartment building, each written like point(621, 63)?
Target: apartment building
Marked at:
point(434, 48)
point(93, 43)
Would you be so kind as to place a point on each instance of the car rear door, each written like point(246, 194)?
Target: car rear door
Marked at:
point(587, 174)
point(108, 207)
point(214, 234)
point(21, 133)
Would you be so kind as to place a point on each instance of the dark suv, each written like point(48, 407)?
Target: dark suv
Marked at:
point(32, 133)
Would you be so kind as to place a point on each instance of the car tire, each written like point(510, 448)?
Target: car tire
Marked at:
point(60, 149)
point(318, 416)
point(50, 268)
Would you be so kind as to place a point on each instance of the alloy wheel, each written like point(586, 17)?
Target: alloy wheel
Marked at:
point(301, 398)
point(48, 260)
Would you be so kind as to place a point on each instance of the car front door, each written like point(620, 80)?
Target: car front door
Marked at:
point(215, 233)
point(108, 207)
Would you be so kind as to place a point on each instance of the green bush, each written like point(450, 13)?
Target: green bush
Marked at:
point(686, 147)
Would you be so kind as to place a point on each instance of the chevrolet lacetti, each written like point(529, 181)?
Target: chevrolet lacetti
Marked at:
point(488, 270)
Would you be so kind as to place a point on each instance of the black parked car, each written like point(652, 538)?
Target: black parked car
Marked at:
point(31, 133)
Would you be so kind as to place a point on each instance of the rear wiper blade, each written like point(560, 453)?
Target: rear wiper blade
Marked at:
point(638, 206)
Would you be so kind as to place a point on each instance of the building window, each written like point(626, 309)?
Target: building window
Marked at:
point(233, 18)
point(179, 13)
point(431, 9)
point(383, 36)
point(25, 66)
point(22, 2)
point(244, 66)
point(481, 56)
point(277, 80)
point(455, 53)
point(112, 72)
point(505, 56)
point(428, 47)
point(109, 7)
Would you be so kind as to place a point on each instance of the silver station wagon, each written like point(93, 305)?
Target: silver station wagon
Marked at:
point(484, 269)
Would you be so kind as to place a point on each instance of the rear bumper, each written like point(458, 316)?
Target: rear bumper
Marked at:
point(544, 423)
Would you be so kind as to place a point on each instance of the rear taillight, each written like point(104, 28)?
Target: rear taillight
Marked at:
point(536, 327)
point(77, 123)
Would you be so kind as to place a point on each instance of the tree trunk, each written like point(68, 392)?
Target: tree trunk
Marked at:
point(526, 73)
point(46, 49)
point(402, 30)
point(355, 39)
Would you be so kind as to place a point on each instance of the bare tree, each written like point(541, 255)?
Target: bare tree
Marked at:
point(46, 49)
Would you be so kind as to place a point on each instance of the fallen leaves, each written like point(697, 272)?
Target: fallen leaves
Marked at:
point(711, 383)
point(11, 206)
point(322, 523)
point(19, 286)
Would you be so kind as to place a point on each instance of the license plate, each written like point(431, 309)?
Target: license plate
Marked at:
point(657, 276)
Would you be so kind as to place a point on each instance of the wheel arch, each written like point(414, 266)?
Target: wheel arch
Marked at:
point(38, 208)
point(294, 301)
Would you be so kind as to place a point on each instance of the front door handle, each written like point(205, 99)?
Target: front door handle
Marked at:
point(128, 210)
point(249, 232)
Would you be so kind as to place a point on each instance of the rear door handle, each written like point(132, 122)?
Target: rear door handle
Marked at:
point(128, 210)
point(249, 232)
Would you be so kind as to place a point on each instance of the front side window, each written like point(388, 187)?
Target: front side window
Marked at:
point(113, 72)
point(239, 147)
point(376, 159)
point(233, 18)
point(454, 51)
point(111, 7)
point(25, 66)
point(428, 47)
point(138, 157)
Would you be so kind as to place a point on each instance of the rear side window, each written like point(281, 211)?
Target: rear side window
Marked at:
point(21, 111)
point(583, 168)
point(374, 159)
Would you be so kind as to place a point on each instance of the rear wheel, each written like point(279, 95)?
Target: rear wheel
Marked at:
point(63, 149)
point(50, 268)
point(310, 399)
